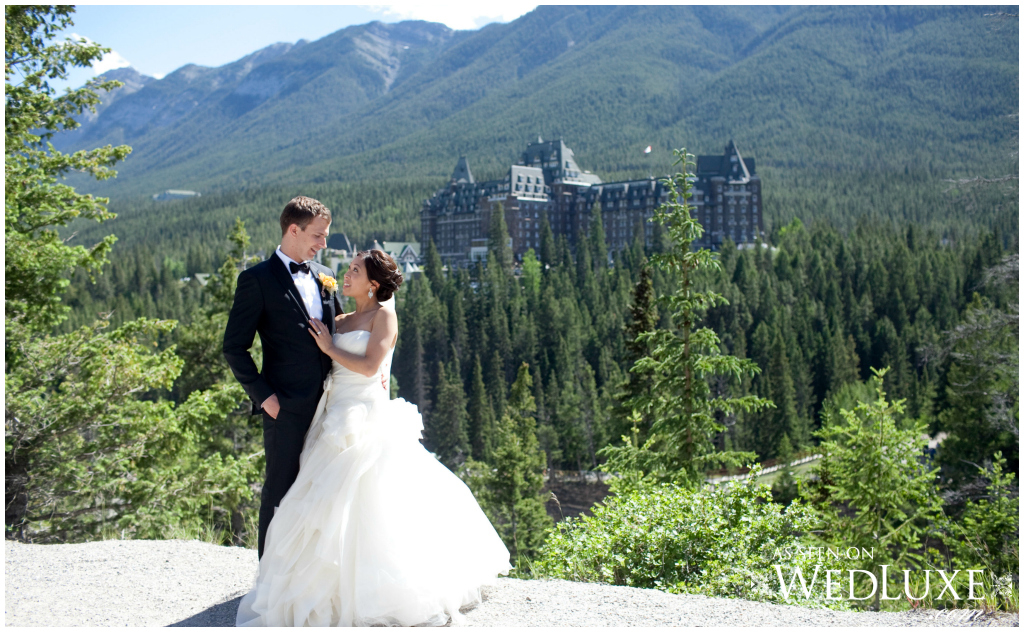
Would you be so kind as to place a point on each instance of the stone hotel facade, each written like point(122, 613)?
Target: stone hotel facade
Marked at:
point(548, 182)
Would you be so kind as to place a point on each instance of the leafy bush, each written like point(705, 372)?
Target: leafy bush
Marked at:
point(718, 540)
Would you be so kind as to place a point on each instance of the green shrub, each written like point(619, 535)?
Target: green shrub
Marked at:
point(873, 490)
point(718, 540)
point(987, 536)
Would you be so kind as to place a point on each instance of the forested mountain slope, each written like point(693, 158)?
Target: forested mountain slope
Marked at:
point(803, 88)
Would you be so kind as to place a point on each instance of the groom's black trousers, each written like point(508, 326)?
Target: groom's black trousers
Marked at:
point(282, 445)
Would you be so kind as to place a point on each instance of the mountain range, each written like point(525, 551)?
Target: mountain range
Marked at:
point(800, 88)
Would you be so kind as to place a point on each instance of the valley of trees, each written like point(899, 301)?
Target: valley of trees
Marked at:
point(815, 311)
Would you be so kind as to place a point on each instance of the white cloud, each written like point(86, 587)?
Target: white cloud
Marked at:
point(456, 15)
point(110, 61)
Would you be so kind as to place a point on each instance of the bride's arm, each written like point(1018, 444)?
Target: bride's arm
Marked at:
point(382, 338)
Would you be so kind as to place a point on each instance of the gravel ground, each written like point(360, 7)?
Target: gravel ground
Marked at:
point(181, 583)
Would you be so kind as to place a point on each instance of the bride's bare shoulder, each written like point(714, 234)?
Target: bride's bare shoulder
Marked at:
point(386, 315)
point(387, 321)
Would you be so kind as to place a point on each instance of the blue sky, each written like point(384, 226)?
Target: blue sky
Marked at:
point(156, 40)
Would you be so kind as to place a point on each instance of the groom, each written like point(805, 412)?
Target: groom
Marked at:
point(276, 298)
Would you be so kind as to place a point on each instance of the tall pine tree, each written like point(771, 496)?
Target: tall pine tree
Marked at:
point(446, 429)
point(481, 415)
point(643, 318)
point(680, 448)
point(514, 499)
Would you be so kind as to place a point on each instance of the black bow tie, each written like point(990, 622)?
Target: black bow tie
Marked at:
point(298, 267)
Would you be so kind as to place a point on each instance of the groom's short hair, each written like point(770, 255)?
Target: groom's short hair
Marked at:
point(301, 211)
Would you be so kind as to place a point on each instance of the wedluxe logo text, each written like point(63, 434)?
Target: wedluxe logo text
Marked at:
point(837, 586)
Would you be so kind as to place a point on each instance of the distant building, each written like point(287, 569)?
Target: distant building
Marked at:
point(727, 197)
point(337, 254)
point(335, 259)
point(405, 253)
point(548, 182)
point(174, 194)
point(340, 241)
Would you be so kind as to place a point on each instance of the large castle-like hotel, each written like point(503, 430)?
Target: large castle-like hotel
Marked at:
point(547, 181)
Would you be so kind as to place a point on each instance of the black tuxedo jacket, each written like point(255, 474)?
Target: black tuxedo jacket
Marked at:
point(267, 301)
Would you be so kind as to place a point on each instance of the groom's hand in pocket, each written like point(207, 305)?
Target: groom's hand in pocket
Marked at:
point(272, 406)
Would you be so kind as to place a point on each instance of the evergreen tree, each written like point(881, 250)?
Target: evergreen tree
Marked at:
point(524, 329)
point(433, 268)
point(445, 433)
point(840, 360)
point(784, 418)
point(200, 344)
point(981, 398)
point(548, 250)
point(418, 371)
point(680, 447)
point(498, 249)
point(90, 446)
point(872, 489)
point(596, 242)
point(784, 490)
point(888, 350)
point(499, 338)
point(531, 280)
point(423, 341)
point(496, 385)
point(547, 438)
point(563, 252)
point(987, 535)
point(458, 332)
point(514, 497)
point(37, 261)
point(584, 264)
point(481, 415)
point(643, 318)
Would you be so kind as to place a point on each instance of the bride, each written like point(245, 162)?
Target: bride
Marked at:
point(374, 531)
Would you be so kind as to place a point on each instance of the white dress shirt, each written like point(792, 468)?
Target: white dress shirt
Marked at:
point(308, 289)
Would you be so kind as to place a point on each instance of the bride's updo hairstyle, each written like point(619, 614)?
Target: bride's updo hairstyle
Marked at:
point(380, 267)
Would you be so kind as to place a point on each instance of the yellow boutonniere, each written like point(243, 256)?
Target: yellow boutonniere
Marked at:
point(329, 283)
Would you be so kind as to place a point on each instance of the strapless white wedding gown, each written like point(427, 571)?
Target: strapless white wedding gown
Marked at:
point(375, 530)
